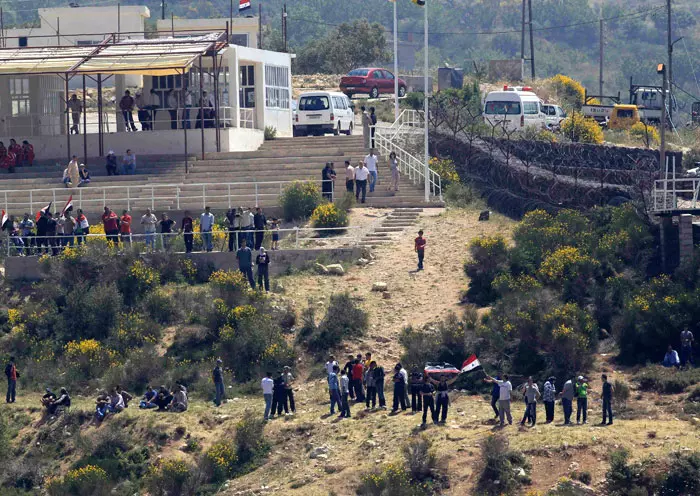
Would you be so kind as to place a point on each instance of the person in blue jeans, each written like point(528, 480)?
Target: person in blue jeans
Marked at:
point(371, 164)
point(268, 386)
point(245, 262)
point(334, 389)
point(608, 390)
point(218, 378)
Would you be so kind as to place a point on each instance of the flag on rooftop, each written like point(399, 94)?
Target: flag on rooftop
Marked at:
point(243, 5)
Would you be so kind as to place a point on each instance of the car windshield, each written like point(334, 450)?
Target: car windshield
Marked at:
point(358, 72)
point(502, 108)
point(313, 103)
point(625, 113)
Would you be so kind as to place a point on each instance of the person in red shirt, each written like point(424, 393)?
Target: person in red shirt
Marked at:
point(27, 153)
point(420, 249)
point(187, 229)
point(12, 375)
point(125, 227)
point(110, 221)
point(358, 372)
point(15, 150)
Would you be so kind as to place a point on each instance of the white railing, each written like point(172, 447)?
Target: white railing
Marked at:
point(174, 242)
point(177, 195)
point(676, 194)
point(393, 138)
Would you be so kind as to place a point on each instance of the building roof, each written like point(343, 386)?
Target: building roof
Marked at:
point(150, 57)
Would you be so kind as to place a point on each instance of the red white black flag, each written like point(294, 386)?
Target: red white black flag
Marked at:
point(470, 364)
point(243, 5)
point(69, 205)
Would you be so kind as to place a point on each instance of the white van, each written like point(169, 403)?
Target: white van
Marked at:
point(321, 112)
point(513, 108)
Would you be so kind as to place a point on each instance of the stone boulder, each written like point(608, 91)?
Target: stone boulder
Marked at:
point(380, 286)
point(335, 269)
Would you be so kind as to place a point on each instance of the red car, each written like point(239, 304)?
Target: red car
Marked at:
point(371, 81)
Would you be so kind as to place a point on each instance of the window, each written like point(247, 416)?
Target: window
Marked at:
point(86, 42)
point(377, 75)
point(22, 41)
point(247, 75)
point(19, 96)
point(388, 75)
point(339, 103)
point(530, 108)
point(313, 103)
point(239, 39)
point(359, 72)
point(276, 87)
point(502, 108)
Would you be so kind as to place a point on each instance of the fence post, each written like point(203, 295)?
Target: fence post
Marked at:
point(104, 197)
point(7, 208)
point(204, 196)
point(153, 200)
point(177, 196)
point(229, 195)
point(31, 202)
point(80, 198)
point(128, 200)
point(296, 237)
point(54, 198)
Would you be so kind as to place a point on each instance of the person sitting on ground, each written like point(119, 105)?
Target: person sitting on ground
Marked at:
point(102, 405)
point(671, 358)
point(111, 164)
point(116, 402)
point(127, 397)
point(84, 175)
point(163, 399)
point(48, 398)
point(60, 404)
point(180, 401)
point(15, 150)
point(27, 153)
point(147, 400)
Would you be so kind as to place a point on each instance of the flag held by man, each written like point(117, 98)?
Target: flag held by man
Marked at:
point(44, 210)
point(68, 206)
point(471, 364)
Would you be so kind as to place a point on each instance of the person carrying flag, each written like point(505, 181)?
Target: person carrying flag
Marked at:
point(443, 398)
point(505, 389)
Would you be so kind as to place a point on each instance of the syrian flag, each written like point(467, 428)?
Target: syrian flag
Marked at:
point(243, 5)
point(470, 364)
point(420, 3)
point(43, 211)
point(69, 205)
point(5, 218)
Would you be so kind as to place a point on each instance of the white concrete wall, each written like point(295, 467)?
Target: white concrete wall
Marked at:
point(241, 25)
point(167, 142)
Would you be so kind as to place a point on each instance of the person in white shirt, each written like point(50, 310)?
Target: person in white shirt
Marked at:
point(149, 221)
point(361, 175)
point(330, 364)
point(116, 402)
point(267, 388)
point(371, 164)
point(349, 177)
point(173, 100)
point(129, 163)
point(503, 398)
point(206, 225)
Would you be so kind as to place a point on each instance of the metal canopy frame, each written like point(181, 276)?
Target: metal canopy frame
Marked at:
point(212, 45)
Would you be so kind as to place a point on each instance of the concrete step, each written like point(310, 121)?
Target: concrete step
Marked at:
point(388, 230)
point(281, 153)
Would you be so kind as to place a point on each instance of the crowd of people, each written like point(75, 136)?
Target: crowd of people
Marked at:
point(361, 177)
point(16, 155)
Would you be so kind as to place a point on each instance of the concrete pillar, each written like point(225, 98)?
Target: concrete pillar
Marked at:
point(665, 228)
point(119, 88)
point(260, 95)
point(685, 237)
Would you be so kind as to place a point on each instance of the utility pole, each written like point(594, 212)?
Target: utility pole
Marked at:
point(260, 40)
point(600, 75)
point(522, 37)
point(532, 41)
point(670, 64)
point(162, 9)
point(426, 96)
point(284, 28)
point(661, 69)
point(396, 64)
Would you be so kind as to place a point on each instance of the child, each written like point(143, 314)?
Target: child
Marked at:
point(420, 249)
point(275, 234)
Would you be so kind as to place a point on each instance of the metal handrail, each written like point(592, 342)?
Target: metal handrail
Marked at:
point(666, 193)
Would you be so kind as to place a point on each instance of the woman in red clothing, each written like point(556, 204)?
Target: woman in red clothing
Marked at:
point(27, 153)
point(14, 148)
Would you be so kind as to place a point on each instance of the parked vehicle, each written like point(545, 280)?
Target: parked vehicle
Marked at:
point(553, 115)
point(624, 117)
point(645, 98)
point(514, 108)
point(370, 81)
point(320, 112)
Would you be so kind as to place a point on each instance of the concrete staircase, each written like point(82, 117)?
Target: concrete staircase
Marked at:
point(395, 223)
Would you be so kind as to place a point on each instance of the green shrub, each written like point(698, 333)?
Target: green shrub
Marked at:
point(219, 462)
point(90, 311)
point(170, 477)
point(489, 255)
point(645, 134)
point(621, 393)
point(582, 129)
point(623, 479)
point(459, 195)
point(300, 199)
point(683, 476)
point(666, 380)
point(328, 215)
point(161, 307)
point(584, 477)
point(140, 278)
point(499, 475)
point(86, 481)
point(570, 92)
point(392, 479)
point(231, 286)
point(344, 319)
point(270, 133)
point(87, 358)
point(250, 443)
point(414, 100)
point(421, 460)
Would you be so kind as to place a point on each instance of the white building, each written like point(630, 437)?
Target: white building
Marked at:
point(177, 65)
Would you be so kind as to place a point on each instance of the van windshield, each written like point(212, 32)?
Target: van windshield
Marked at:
point(502, 108)
point(313, 103)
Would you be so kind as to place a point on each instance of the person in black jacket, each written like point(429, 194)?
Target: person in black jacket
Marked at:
point(263, 262)
point(279, 396)
point(260, 223)
point(218, 377)
point(415, 387)
point(347, 369)
point(12, 375)
point(111, 164)
point(399, 390)
point(373, 120)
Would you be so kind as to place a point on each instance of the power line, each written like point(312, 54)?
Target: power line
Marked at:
point(478, 33)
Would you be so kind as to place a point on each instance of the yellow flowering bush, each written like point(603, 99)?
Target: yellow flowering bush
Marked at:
point(645, 134)
point(565, 264)
point(445, 168)
point(329, 215)
point(169, 476)
point(135, 330)
point(220, 461)
point(14, 316)
point(569, 91)
point(140, 278)
point(582, 129)
point(230, 286)
point(88, 357)
point(299, 199)
point(89, 480)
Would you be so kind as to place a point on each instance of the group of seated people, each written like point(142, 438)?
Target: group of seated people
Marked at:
point(55, 404)
point(113, 402)
point(165, 400)
point(16, 155)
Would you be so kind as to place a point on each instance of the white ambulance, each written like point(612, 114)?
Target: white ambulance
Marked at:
point(513, 108)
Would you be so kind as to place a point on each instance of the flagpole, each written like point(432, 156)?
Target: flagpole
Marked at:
point(426, 94)
point(396, 65)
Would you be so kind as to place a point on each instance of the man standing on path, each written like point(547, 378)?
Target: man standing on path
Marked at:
point(581, 400)
point(233, 222)
point(349, 177)
point(206, 226)
point(110, 222)
point(260, 223)
point(187, 228)
point(531, 392)
point(358, 373)
point(267, 385)
point(245, 262)
point(218, 377)
point(12, 376)
point(149, 221)
point(687, 340)
point(495, 393)
point(289, 388)
point(426, 392)
point(366, 123)
point(399, 390)
point(327, 181)
point(334, 389)
point(419, 246)
point(347, 370)
point(75, 107)
point(567, 399)
point(330, 364)
point(548, 394)
point(608, 391)
point(505, 389)
point(361, 175)
point(344, 392)
point(126, 105)
point(371, 164)
point(263, 263)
